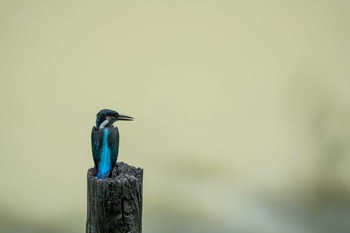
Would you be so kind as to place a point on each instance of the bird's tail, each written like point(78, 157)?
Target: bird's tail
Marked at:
point(102, 175)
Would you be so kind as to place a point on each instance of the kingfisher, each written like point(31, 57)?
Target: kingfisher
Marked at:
point(105, 141)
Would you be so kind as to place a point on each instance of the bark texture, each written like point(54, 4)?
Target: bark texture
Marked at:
point(114, 205)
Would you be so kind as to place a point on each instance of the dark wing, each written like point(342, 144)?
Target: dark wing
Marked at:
point(113, 143)
point(96, 145)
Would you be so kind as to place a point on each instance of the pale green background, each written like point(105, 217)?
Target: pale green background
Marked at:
point(242, 112)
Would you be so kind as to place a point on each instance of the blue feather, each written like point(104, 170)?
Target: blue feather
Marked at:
point(104, 166)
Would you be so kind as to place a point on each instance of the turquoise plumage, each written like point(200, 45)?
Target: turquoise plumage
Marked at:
point(104, 166)
point(105, 141)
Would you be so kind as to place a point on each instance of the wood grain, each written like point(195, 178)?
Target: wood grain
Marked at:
point(114, 205)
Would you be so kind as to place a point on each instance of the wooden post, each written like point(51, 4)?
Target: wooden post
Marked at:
point(114, 205)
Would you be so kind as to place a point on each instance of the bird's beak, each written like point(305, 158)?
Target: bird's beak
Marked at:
point(121, 117)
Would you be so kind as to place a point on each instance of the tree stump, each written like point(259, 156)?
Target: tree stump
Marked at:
point(114, 205)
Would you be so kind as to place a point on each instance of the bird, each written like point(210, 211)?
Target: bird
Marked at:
point(105, 141)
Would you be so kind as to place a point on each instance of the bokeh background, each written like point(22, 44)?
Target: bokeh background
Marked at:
point(242, 112)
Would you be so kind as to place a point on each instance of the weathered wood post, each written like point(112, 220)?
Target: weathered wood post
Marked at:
point(114, 205)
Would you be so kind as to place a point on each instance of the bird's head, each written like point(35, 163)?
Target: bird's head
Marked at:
point(107, 117)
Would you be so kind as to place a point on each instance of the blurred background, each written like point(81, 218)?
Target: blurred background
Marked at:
point(241, 112)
